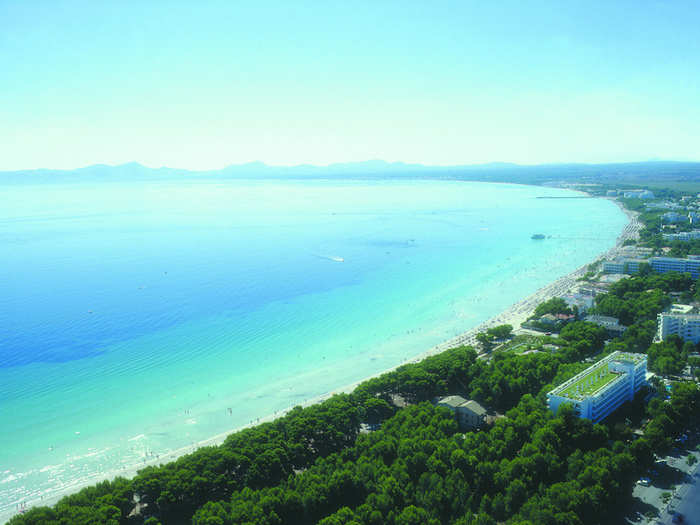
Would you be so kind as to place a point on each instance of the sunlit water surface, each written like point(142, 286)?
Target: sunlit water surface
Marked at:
point(140, 318)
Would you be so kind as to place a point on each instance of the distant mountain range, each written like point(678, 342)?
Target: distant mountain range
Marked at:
point(631, 172)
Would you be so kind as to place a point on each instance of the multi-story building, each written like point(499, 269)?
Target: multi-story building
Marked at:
point(690, 265)
point(682, 236)
point(673, 217)
point(623, 265)
point(600, 389)
point(686, 326)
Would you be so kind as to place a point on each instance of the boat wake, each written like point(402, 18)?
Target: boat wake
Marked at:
point(333, 258)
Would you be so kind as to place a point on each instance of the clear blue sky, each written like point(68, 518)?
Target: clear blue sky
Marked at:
point(204, 84)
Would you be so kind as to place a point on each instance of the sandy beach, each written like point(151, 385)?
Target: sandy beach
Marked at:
point(520, 311)
point(514, 315)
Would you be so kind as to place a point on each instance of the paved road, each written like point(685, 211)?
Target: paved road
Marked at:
point(673, 476)
point(686, 502)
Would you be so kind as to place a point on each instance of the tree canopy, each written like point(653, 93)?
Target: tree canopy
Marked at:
point(554, 306)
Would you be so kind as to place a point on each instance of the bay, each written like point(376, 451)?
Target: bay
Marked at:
point(143, 317)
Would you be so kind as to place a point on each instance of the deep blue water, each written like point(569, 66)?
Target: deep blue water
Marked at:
point(132, 316)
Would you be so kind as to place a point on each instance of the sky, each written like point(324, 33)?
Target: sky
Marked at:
point(205, 84)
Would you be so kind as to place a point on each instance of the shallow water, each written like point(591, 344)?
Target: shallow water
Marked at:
point(134, 316)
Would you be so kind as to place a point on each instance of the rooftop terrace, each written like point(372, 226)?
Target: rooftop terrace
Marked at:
point(627, 356)
point(589, 383)
point(594, 379)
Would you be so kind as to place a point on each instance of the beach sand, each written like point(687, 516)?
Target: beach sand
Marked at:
point(514, 315)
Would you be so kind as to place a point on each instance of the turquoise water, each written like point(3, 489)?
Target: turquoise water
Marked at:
point(137, 319)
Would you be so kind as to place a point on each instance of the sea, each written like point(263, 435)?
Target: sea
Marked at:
point(139, 318)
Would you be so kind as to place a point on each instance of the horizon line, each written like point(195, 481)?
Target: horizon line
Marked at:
point(262, 164)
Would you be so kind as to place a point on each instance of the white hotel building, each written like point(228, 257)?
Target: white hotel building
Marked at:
point(600, 389)
point(687, 326)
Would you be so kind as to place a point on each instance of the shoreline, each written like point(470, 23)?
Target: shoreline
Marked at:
point(514, 315)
